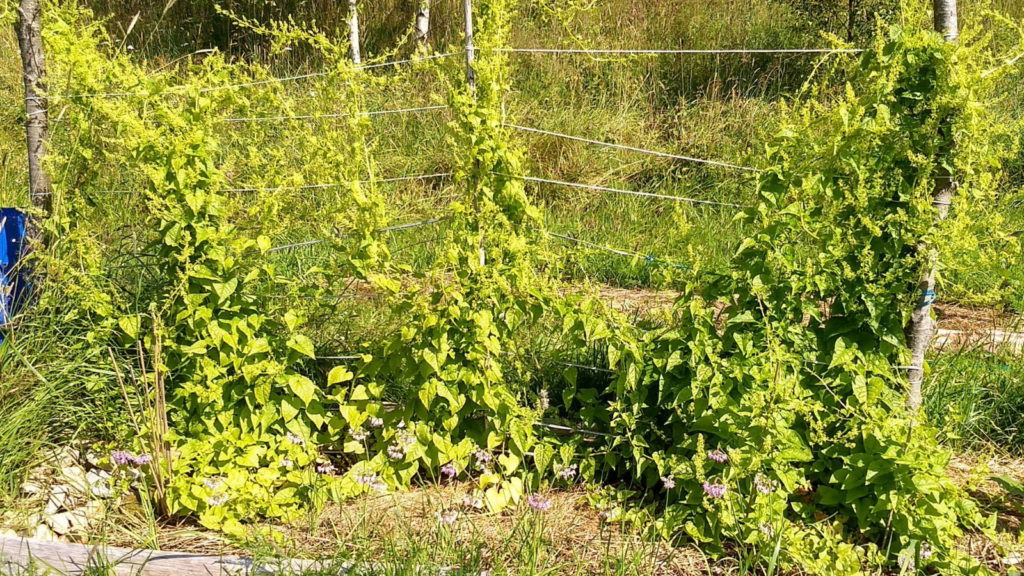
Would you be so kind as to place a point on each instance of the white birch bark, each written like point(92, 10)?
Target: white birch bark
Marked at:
point(923, 325)
point(422, 24)
point(37, 128)
point(353, 30)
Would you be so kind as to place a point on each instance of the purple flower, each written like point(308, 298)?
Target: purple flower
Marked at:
point(359, 434)
point(715, 490)
point(396, 452)
point(371, 481)
point(295, 439)
point(483, 458)
point(447, 517)
point(449, 470)
point(767, 530)
point(718, 456)
point(538, 502)
point(406, 438)
point(567, 472)
point(125, 458)
point(764, 484)
point(669, 482)
point(122, 458)
point(327, 468)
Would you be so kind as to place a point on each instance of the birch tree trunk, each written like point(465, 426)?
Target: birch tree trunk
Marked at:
point(422, 24)
point(921, 328)
point(467, 11)
point(353, 30)
point(37, 128)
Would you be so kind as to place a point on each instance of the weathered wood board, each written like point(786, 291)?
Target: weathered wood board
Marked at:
point(18, 555)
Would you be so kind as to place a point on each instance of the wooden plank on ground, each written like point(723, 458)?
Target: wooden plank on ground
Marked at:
point(18, 555)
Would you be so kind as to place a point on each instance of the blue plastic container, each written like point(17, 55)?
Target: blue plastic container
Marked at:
point(13, 280)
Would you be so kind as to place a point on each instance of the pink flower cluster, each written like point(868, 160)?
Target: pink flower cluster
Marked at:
point(568, 472)
point(715, 490)
point(538, 502)
point(449, 470)
point(124, 458)
point(718, 456)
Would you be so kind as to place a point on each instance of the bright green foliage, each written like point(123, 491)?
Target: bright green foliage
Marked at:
point(243, 418)
point(789, 364)
point(457, 339)
point(771, 398)
point(234, 391)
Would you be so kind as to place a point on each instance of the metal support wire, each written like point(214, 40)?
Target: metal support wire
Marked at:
point(650, 259)
point(175, 90)
point(304, 186)
point(583, 367)
point(626, 51)
point(327, 116)
point(633, 149)
point(628, 192)
point(571, 429)
point(377, 231)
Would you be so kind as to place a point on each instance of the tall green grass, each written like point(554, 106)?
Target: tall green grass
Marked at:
point(976, 399)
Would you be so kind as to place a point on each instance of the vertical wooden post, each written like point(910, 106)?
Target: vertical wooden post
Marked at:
point(921, 328)
point(353, 30)
point(37, 128)
point(467, 8)
point(422, 24)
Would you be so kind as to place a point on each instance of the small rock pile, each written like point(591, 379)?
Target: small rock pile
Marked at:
point(63, 498)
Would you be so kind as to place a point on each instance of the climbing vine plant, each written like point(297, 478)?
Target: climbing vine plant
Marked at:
point(771, 406)
point(767, 409)
point(458, 339)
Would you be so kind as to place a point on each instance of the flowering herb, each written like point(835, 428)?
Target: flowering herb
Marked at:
point(449, 470)
point(396, 452)
point(483, 458)
point(568, 472)
point(448, 516)
point(124, 458)
point(715, 490)
point(718, 456)
point(543, 402)
point(538, 502)
point(669, 482)
point(371, 481)
point(763, 484)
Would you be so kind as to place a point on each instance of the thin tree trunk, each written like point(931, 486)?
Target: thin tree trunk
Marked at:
point(921, 328)
point(467, 7)
point(422, 24)
point(37, 128)
point(945, 19)
point(353, 30)
point(467, 10)
point(850, 19)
